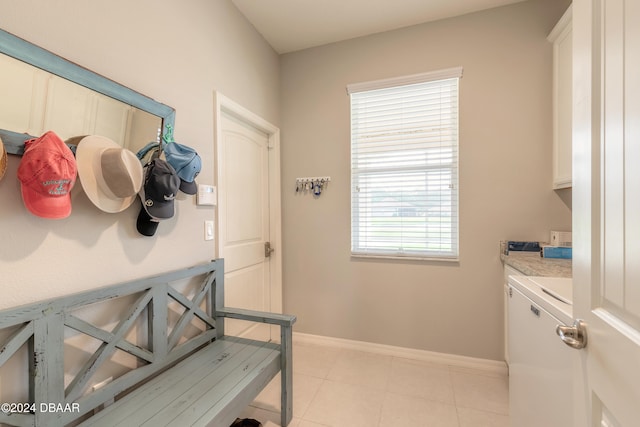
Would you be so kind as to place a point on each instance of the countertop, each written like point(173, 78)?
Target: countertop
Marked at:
point(532, 264)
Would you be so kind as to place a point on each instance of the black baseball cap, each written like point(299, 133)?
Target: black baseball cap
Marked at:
point(161, 184)
point(145, 224)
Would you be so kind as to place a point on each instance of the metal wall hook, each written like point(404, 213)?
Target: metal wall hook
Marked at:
point(312, 184)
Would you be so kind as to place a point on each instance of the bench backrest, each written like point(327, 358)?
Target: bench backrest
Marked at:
point(163, 335)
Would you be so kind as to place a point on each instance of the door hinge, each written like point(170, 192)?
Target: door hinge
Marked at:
point(268, 249)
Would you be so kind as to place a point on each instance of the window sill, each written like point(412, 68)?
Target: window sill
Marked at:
point(406, 258)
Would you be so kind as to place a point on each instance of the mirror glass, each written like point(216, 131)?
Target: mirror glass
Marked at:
point(42, 91)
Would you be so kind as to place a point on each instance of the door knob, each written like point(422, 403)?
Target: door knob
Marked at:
point(574, 336)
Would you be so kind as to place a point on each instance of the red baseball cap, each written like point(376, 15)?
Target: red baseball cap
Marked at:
point(47, 173)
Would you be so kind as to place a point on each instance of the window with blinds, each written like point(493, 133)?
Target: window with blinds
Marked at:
point(404, 166)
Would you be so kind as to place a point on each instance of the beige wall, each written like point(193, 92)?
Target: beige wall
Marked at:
point(172, 53)
point(179, 55)
point(505, 180)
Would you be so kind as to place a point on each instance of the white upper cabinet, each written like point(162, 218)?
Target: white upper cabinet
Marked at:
point(41, 101)
point(67, 109)
point(25, 86)
point(73, 110)
point(561, 37)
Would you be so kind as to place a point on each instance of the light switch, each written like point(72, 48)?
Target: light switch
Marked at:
point(208, 230)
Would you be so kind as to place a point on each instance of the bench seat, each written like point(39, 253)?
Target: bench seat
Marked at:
point(222, 379)
point(162, 359)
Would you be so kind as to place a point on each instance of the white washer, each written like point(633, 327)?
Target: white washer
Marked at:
point(540, 383)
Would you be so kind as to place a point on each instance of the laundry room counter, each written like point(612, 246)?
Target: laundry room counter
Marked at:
point(532, 264)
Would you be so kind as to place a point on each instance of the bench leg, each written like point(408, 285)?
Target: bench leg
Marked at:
point(286, 376)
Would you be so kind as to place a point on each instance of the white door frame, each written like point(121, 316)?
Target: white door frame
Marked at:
point(226, 105)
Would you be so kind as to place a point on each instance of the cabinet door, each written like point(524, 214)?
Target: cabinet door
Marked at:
point(540, 383)
point(508, 271)
point(25, 86)
point(112, 119)
point(73, 110)
point(562, 40)
point(68, 111)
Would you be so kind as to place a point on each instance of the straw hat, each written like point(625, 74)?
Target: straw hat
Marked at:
point(110, 175)
point(3, 159)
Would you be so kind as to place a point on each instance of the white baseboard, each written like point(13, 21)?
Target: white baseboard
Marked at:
point(493, 366)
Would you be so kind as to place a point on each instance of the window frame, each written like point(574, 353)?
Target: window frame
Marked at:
point(364, 251)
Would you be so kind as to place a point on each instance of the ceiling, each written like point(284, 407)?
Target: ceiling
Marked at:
point(290, 25)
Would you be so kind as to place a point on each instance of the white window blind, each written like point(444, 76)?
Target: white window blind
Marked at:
point(404, 166)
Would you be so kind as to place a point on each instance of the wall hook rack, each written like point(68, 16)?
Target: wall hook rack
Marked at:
point(312, 184)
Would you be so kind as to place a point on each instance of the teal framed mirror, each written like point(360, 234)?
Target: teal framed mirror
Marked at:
point(42, 91)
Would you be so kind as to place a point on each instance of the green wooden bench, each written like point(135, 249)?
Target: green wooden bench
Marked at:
point(183, 375)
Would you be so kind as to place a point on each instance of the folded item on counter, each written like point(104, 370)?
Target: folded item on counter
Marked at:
point(562, 252)
point(523, 246)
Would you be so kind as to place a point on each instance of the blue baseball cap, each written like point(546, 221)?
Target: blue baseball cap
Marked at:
point(187, 163)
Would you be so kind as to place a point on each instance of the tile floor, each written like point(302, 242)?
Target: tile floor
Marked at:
point(345, 388)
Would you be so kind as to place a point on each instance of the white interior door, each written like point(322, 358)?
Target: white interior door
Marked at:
point(606, 209)
point(248, 215)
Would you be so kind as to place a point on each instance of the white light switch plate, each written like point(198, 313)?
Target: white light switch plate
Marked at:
point(208, 230)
